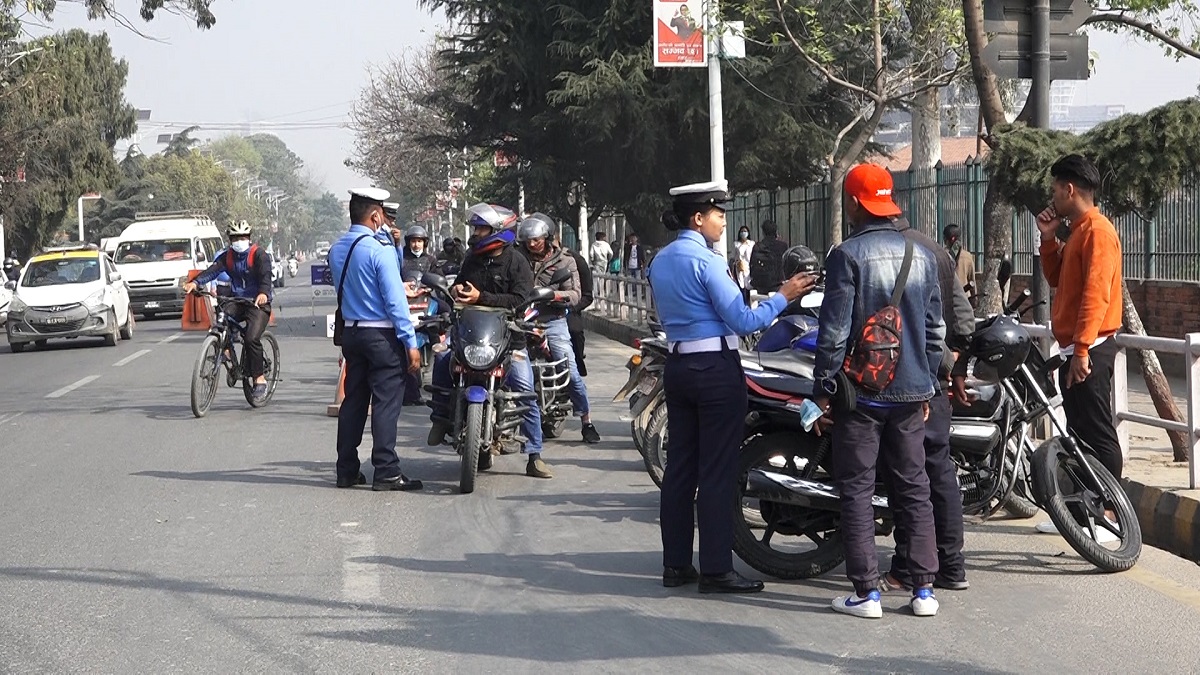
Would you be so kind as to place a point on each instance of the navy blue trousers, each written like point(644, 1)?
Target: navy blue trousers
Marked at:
point(706, 419)
point(375, 372)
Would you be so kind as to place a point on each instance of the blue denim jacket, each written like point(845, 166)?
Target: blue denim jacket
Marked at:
point(860, 277)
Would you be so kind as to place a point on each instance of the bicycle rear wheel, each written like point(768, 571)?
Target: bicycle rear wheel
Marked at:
point(205, 376)
point(270, 371)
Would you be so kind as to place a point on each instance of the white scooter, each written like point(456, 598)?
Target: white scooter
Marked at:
point(292, 267)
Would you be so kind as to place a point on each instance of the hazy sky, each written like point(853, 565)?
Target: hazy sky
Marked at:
point(289, 61)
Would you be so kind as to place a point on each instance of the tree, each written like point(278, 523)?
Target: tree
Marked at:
point(907, 48)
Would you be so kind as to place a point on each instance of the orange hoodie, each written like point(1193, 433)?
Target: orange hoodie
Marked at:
point(1087, 274)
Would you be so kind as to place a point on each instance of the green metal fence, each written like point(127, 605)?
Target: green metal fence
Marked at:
point(1165, 247)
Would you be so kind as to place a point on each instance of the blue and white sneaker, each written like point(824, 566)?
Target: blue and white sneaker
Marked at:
point(923, 603)
point(866, 607)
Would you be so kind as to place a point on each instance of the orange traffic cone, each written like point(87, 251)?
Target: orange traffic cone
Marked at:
point(340, 394)
point(271, 322)
point(197, 312)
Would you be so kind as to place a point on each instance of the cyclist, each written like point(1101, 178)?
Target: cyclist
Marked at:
point(536, 234)
point(494, 275)
point(249, 271)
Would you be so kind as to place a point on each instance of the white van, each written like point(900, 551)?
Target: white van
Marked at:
point(156, 253)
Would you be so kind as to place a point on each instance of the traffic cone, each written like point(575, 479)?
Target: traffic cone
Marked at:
point(340, 394)
point(197, 312)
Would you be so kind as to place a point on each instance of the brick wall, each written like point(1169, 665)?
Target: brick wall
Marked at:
point(1168, 308)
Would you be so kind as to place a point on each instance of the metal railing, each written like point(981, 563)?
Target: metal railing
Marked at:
point(1189, 347)
point(622, 297)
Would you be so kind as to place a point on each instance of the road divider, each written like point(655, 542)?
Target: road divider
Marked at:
point(72, 387)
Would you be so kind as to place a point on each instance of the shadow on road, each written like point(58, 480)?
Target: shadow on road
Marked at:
point(641, 507)
point(307, 474)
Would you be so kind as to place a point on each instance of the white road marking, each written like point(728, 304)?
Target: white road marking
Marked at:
point(360, 579)
point(131, 357)
point(72, 387)
point(170, 338)
point(5, 419)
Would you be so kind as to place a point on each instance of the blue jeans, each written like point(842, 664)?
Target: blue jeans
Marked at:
point(558, 337)
point(518, 378)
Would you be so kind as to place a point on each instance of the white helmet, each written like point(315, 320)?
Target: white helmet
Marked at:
point(239, 229)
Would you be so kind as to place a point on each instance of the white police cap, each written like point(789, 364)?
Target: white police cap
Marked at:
point(371, 194)
point(712, 192)
point(390, 209)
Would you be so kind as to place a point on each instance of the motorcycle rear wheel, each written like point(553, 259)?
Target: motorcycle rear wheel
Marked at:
point(1062, 485)
point(472, 443)
point(784, 452)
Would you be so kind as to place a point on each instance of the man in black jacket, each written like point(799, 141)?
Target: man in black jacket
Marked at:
point(575, 316)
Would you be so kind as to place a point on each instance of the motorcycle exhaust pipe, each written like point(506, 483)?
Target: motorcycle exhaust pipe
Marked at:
point(776, 487)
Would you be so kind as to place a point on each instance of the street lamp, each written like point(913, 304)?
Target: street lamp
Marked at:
point(79, 207)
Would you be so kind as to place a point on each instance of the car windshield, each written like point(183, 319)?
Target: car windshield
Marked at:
point(58, 271)
point(155, 250)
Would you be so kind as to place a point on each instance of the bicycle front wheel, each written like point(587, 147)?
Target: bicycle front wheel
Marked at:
point(205, 376)
point(270, 371)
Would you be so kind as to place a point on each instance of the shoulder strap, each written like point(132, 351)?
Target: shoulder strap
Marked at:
point(902, 279)
point(346, 268)
point(229, 260)
point(250, 257)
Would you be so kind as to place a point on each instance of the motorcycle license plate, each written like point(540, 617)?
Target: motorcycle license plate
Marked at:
point(151, 305)
point(646, 383)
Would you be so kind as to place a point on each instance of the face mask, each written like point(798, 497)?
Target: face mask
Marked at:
point(743, 235)
point(240, 246)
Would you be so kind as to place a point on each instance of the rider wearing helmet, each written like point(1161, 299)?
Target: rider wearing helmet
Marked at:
point(249, 271)
point(536, 234)
point(494, 275)
point(414, 259)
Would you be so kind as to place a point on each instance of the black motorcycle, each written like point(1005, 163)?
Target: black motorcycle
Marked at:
point(788, 510)
point(648, 402)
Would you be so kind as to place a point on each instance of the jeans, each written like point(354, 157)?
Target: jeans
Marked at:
point(518, 378)
point(256, 319)
point(558, 337)
point(375, 365)
point(1088, 407)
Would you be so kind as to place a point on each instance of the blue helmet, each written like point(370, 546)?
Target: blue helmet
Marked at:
point(499, 219)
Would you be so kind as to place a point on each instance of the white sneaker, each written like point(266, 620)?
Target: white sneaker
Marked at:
point(1103, 536)
point(866, 608)
point(923, 603)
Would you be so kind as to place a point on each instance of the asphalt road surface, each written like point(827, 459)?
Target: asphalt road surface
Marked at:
point(138, 539)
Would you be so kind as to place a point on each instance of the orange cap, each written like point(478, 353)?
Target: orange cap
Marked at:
point(872, 186)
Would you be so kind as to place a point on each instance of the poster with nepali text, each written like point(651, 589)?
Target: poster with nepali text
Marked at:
point(679, 34)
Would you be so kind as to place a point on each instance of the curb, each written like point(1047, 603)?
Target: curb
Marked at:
point(1169, 521)
point(612, 329)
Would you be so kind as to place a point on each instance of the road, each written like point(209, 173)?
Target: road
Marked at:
point(142, 540)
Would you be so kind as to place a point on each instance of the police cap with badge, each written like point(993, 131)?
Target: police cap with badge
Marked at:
point(372, 195)
point(694, 198)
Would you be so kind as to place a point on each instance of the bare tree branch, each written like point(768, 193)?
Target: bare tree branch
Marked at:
point(1145, 26)
point(817, 64)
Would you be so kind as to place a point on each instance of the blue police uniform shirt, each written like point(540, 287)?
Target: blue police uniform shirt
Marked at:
point(695, 297)
point(373, 290)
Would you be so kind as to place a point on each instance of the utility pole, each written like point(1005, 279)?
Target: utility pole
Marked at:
point(1040, 62)
point(716, 110)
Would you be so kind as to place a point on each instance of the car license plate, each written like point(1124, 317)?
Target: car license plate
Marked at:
point(646, 383)
point(151, 305)
point(56, 320)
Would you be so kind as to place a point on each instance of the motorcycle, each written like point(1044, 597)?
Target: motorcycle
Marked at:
point(484, 415)
point(785, 486)
point(552, 380)
point(292, 267)
point(647, 401)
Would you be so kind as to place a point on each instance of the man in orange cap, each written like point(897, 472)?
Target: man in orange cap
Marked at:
point(882, 388)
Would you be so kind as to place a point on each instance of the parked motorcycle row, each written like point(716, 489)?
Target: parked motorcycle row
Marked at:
point(788, 510)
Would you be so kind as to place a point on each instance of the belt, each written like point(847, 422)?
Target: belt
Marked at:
point(370, 324)
point(712, 344)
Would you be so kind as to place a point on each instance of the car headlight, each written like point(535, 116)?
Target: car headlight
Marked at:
point(479, 356)
point(17, 306)
point(95, 300)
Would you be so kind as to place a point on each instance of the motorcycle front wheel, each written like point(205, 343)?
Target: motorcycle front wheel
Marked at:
point(471, 444)
point(1078, 509)
point(655, 455)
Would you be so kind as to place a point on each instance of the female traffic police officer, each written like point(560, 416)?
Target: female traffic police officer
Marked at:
point(702, 312)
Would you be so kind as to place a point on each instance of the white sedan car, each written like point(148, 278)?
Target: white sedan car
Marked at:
point(68, 292)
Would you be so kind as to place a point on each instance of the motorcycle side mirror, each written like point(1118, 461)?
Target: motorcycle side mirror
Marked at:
point(433, 280)
point(1005, 273)
point(539, 295)
point(560, 275)
point(10, 285)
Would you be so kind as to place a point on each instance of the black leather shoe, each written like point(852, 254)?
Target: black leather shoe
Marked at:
point(673, 577)
point(730, 582)
point(401, 482)
point(351, 482)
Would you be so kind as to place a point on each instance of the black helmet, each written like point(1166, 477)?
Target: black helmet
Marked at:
point(999, 348)
point(416, 232)
point(798, 259)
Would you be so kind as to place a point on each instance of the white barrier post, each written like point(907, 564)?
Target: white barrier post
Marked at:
point(1191, 351)
point(1120, 400)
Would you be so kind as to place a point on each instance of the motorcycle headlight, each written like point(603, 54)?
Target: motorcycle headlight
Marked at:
point(95, 300)
point(17, 306)
point(479, 356)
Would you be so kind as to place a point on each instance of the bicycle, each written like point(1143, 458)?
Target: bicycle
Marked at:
point(219, 349)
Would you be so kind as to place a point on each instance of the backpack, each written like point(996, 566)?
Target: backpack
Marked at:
point(871, 363)
point(766, 266)
point(249, 258)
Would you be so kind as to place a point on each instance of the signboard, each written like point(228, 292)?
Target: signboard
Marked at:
point(321, 275)
point(679, 34)
point(1014, 16)
point(1008, 56)
point(320, 292)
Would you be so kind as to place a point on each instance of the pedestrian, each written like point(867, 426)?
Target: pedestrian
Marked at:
point(575, 315)
point(634, 258)
point(701, 311)
point(378, 344)
point(879, 275)
point(964, 262)
point(1081, 259)
point(743, 248)
point(601, 253)
point(945, 494)
point(766, 260)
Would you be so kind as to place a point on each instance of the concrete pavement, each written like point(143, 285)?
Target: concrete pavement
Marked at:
point(139, 539)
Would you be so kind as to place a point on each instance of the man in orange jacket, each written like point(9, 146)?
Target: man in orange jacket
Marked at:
point(1083, 262)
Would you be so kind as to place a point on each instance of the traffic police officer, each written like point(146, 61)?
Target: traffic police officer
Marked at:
point(702, 312)
point(378, 344)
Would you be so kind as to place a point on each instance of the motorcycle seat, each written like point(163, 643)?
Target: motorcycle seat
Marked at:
point(792, 362)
